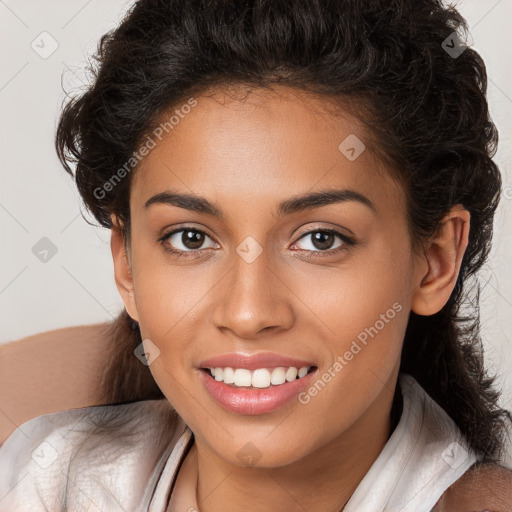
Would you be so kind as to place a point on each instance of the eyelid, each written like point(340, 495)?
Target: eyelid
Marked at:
point(325, 227)
point(170, 229)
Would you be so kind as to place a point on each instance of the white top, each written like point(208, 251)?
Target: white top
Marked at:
point(60, 462)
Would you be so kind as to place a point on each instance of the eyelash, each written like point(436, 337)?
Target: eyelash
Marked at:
point(347, 243)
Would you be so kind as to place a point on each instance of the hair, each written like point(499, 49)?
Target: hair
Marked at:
point(427, 109)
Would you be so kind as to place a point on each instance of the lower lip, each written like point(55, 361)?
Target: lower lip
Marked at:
point(252, 401)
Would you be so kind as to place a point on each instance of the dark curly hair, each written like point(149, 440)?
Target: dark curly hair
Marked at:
point(388, 61)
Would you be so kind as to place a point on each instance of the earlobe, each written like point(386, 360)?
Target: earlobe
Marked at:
point(442, 258)
point(122, 271)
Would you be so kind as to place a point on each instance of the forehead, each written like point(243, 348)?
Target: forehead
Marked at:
point(260, 143)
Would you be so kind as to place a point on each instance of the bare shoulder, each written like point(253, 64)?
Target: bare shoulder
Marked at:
point(484, 487)
point(50, 372)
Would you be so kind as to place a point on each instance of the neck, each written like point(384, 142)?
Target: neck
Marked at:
point(322, 481)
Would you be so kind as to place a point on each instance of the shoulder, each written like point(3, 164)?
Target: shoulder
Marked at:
point(482, 487)
point(51, 371)
point(50, 460)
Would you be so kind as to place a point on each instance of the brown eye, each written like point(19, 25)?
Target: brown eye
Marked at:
point(324, 239)
point(192, 239)
point(185, 240)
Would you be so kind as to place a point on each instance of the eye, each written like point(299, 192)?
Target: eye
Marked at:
point(322, 241)
point(187, 240)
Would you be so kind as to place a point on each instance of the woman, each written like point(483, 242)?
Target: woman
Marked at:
point(298, 194)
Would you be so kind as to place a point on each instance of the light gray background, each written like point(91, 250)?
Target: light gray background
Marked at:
point(38, 199)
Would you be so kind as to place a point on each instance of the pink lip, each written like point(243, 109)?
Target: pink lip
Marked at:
point(253, 361)
point(252, 401)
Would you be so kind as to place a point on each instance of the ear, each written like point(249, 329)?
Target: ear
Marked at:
point(122, 270)
point(439, 266)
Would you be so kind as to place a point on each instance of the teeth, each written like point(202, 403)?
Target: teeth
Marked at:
point(278, 376)
point(259, 378)
point(303, 371)
point(291, 373)
point(229, 376)
point(242, 377)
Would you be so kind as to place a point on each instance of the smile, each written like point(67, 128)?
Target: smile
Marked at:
point(255, 392)
point(260, 377)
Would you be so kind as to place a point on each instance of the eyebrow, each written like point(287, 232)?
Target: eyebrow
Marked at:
point(293, 205)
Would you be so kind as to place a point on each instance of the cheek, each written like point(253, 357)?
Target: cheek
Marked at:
point(167, 300)
point(374, 281)
point(171, 301)
point(367, 320)
point(167, 308)
point(366, 307)
point(164, 291)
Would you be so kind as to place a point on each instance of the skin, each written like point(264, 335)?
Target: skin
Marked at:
point(50, 372)
point(246, 156)
point(484, 487)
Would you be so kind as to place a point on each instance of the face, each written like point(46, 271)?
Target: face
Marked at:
point(328, 284)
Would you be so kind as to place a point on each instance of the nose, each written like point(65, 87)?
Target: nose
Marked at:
point(254, 297)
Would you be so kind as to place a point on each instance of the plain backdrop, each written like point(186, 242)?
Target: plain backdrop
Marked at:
point(56, 270)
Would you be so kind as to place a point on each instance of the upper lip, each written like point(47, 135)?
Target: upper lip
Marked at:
point(253, 361)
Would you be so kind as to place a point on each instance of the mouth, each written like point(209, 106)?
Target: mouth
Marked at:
point(243, 397)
